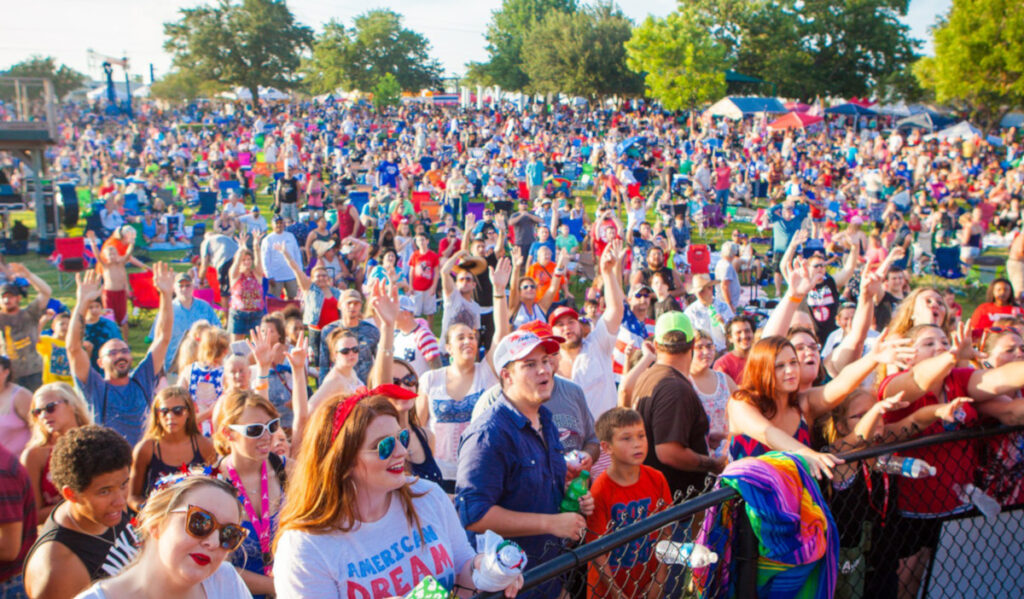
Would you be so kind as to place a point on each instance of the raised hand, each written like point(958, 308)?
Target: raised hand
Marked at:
point(898, 352)
point(297, 355)
point(609, 257)
point(563, 260)
point(517, 257)
point(501, 274)
point(17, 269)
point(163, 277)
point(280, 247)
point(384, 302)
point(90, 285)
point(261, 348)
point(952, 411)
point(801, 280)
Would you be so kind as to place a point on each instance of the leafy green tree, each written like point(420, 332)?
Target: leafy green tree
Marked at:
point(180, 86)
point(64, 78)
point(506, 33)
point(257, 42)
point(387, 92)
point(979, 59)
point(812, 47)
point(683, 65)
point(360, 56)
point(581, 53)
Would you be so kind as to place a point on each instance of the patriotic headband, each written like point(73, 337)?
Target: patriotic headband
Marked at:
point(345, 408)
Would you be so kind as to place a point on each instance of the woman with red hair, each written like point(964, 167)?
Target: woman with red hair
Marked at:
point(769, 412)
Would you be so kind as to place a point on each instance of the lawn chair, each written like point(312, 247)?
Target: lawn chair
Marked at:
point(699, 258)
point(69, 255)
point(207, 205)
point(143, 293)
point(947, 263)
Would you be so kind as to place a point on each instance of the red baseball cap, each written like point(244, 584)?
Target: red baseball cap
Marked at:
point(561, 311)
point(542, 330)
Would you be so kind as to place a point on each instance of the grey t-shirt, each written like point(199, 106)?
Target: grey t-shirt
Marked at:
point(20, 335)
point(218, 249)
point(568, 408)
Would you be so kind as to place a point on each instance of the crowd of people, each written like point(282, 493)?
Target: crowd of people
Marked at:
point(434, 335)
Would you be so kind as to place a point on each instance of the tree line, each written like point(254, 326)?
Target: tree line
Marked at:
point(798, 48)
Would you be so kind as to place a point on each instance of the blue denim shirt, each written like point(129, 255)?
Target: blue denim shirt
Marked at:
point(503, 461)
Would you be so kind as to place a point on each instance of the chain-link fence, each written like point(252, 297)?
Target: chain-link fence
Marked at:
point(935, 516)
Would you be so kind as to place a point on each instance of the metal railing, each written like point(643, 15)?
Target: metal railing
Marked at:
point(973, 556)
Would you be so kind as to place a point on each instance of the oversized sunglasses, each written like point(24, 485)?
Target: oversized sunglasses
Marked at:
point(386, 446)
point(408, 380)
point(48, 408)
point(347, 350)
point(256, 430)
point(199, 523)
point(176, 410)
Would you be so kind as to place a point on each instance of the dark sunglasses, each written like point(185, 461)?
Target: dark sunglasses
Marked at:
point(408, 380)
point(256, 430)
point(347, 350)
point(199, 523)
point(176, 410)
point(528, 286)
point(642, 294)
point(386, 446)
point(48, 408)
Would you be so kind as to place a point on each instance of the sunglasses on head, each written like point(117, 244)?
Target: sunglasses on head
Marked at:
point(347, 350)
point(48, 408)
point(386, 446)
point(256, 429)
point(199, 523)
point(176, 410)
point(409, 380)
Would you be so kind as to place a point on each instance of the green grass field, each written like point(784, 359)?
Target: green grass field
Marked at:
point(972, 292)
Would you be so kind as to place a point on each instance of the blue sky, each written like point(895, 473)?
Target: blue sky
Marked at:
point(67, 28)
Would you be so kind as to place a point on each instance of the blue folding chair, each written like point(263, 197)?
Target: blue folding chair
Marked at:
point(947, 263)
point(131, 205)
point(225, 186)
point(207, 204)
point(359, 199)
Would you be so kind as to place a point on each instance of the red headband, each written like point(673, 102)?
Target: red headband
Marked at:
point(345, 408)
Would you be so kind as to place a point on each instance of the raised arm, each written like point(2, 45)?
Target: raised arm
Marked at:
point(801, 282)
point(384, 304)
point(43, 291)
point(852, 344)
point(447, 283)
point(300, 277)
point(300, 390)
point(517, 271)
point(551, 293)
point(825, 398)
point(843, 276)
point(745, 419)
point(631, 377)
point(499, 281)
point(89, 284)
point(163, 278)
point(611, 271)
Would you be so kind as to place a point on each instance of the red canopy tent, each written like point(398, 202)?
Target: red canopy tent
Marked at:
point(794, 120)
point(797, 106)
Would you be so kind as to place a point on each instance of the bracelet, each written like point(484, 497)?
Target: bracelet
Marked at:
point(266, 376)
point(796, 299)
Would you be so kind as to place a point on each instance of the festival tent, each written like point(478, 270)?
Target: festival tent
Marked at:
point(266, 93)
point(141, 92)
point(850, 109)
point(797, 106)
point(960, 131)
point(927, 119)
point(736, 107)
point(100, 92)
point(1012, 119)
point(794, 120)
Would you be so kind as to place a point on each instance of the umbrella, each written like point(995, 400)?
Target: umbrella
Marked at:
point(850, 109)
point(960, 131)
point(797, 106)
point(622, 146)
point(794, 120)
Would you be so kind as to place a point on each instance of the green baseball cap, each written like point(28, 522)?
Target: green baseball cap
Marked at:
point(673, 321)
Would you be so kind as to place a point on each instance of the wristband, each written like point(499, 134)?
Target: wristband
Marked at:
point(266, 376)
point(796, 299)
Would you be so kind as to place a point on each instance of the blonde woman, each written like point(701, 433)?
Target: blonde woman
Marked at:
point(188, 348)
point(186, 530)
point(204, 377)
point(172, 438)
point(56, 409)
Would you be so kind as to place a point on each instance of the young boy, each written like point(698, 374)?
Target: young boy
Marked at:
point(88, 536)
point(56, 368)
point(626, 492)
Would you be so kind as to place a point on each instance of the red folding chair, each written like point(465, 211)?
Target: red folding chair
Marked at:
point(276, 304)
point(69, 253)
point(418, 198)
point(699, 257)
point(142, 291)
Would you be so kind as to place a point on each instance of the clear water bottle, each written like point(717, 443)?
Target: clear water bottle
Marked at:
point(674, 553)
point(906, 467)
point(988, 506)
point(574, 459)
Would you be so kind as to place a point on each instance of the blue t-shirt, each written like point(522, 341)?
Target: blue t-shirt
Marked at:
point(121, 407)
point(536, 245)
point(783, 230)
point(388, 173)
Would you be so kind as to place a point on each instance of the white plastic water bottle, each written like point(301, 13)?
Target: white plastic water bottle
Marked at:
point(675, 553)
point(903, 466)
point(574, 459)
point(502, 563)
point(988, 506)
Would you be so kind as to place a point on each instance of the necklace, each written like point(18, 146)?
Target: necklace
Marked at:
point(80, 530)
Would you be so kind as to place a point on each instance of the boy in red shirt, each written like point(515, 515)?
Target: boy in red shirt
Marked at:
point(424, 265)
point(626, 492)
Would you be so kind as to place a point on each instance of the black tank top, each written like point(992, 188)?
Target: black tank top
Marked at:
point(158, 468)
point(102, 555)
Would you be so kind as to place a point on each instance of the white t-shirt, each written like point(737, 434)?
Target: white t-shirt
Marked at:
point(592, 370)
point(225, 583)
point(386, 558)
point(452, 306)
point(450, 417)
